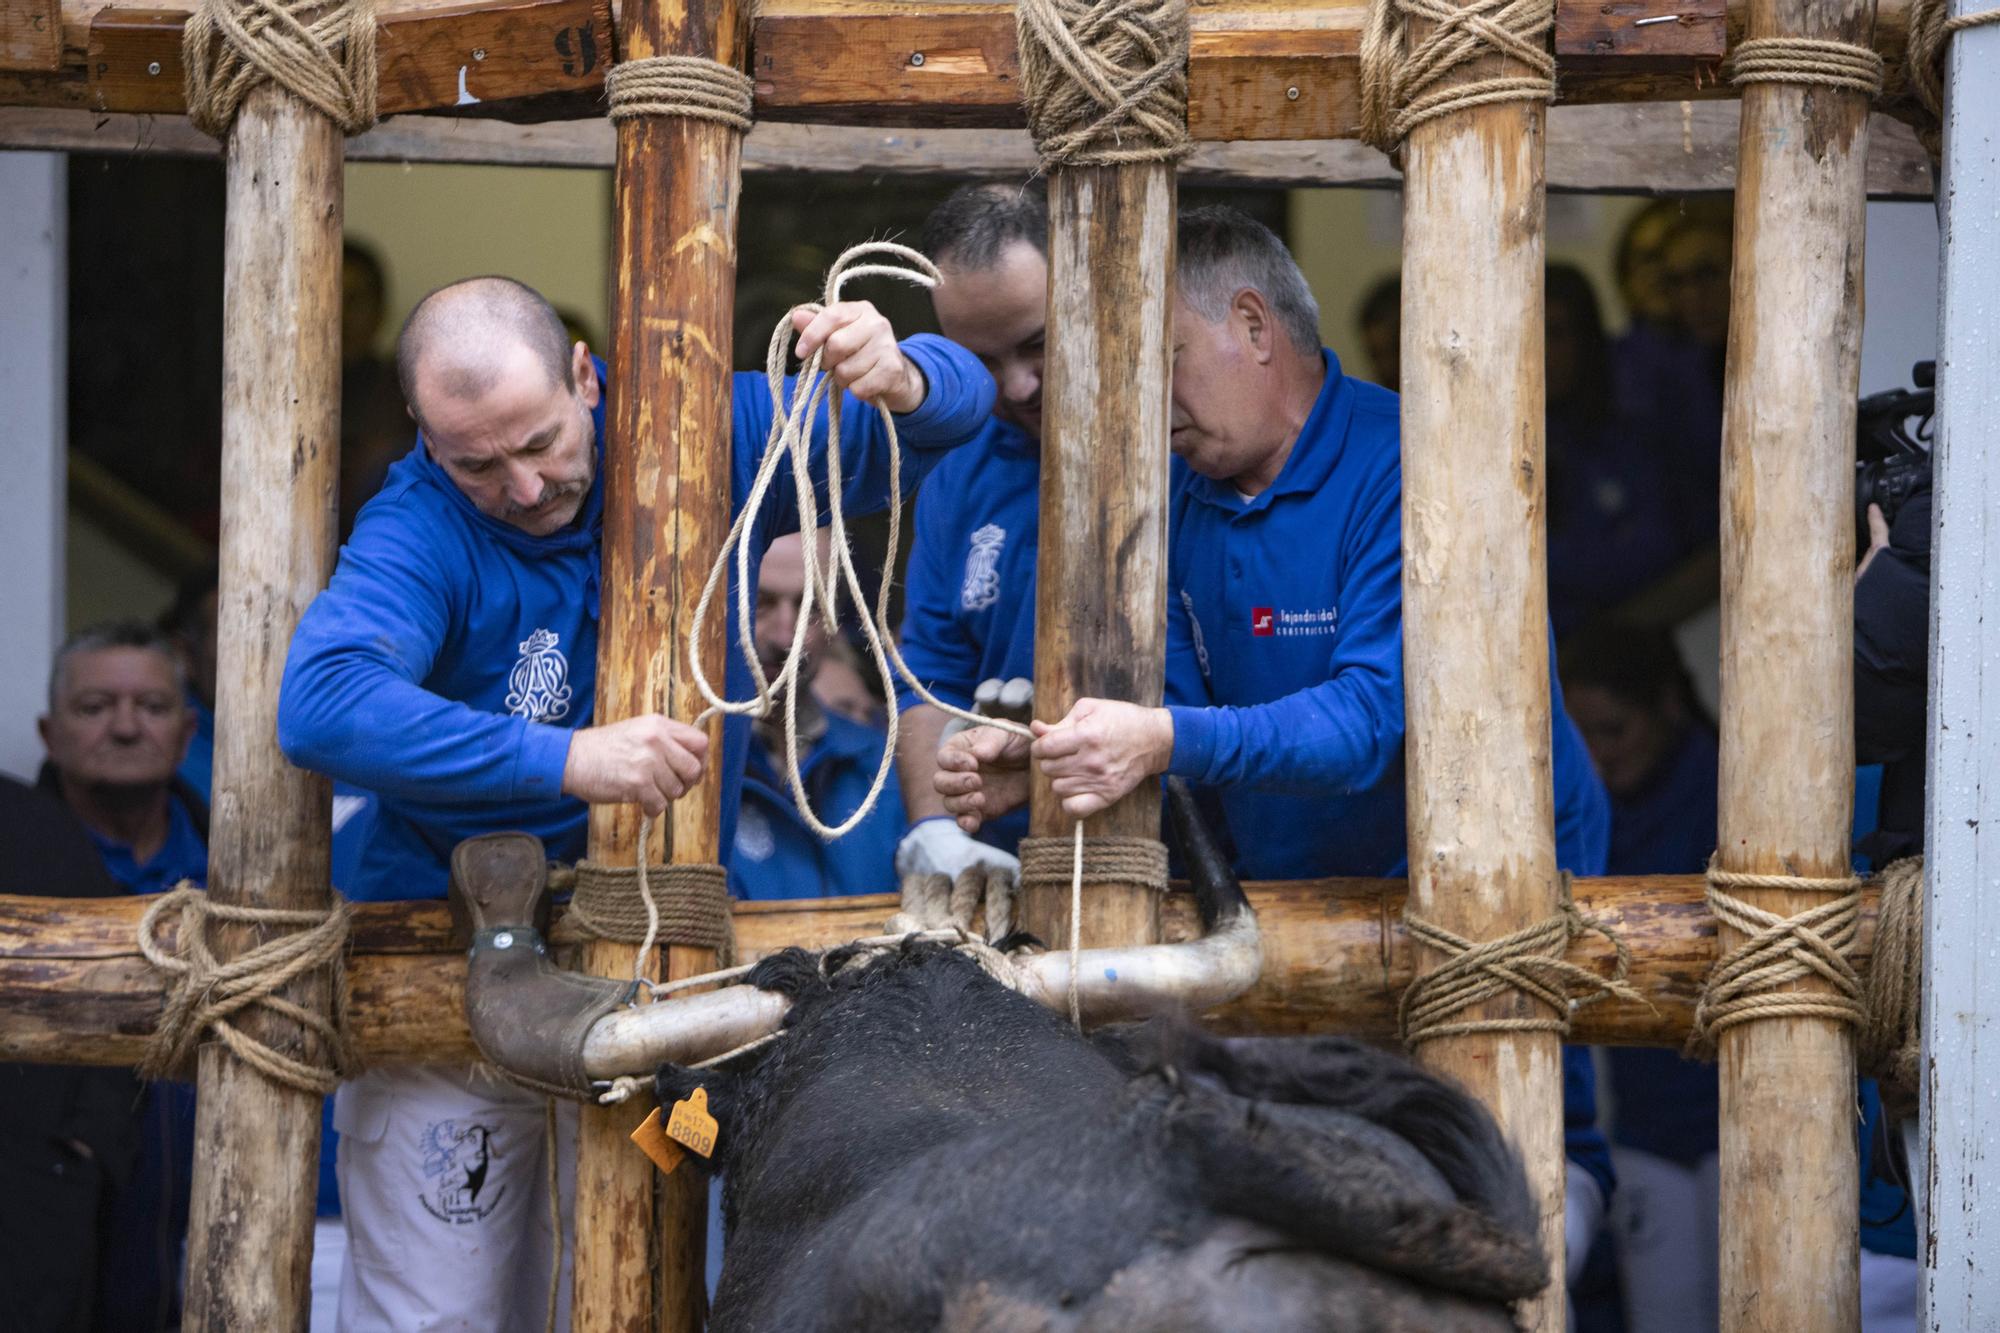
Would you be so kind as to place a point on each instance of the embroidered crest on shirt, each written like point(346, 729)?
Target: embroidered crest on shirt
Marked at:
point(754, 837)
point(982, 569)
point(538, 687)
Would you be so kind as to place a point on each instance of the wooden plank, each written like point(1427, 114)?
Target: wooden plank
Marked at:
point(249, 1247)
point(439, 57)
point(31, 34)
point(1789, 1230)
point(1600, 38)
point(73, 988)
point(1958, 1226)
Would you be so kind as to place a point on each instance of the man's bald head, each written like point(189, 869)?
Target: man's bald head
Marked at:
point(460, 336)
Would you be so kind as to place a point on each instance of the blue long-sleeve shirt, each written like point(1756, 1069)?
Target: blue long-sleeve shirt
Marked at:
point(777, 856)
point(452, 657)
point(969, 597)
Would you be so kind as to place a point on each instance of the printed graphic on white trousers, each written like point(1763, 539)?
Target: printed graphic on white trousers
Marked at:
point(458, 1160)
point(538, 687)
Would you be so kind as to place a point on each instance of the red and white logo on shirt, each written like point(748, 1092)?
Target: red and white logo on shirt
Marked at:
point(1263, 621)
point(1271, 622)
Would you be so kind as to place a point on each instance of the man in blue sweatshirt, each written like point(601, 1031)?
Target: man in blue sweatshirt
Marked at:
point(1284, 667)
point(450, 668)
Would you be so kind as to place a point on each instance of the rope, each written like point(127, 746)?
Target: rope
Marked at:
point(1105, 81)
point(1923, 61)
point(1753, 980)
point(1807, 61)
point(618, 903)
point(692, 87)
point(1529, 961)
point(1403, 83)
point(207, 993)
point(1891, 1041)
point(1141, 861)
point(322, 54)
point(939, 902)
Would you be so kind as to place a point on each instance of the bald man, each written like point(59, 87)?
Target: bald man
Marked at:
point(450, 668)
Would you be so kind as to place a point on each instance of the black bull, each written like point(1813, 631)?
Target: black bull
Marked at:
point(926, 1149)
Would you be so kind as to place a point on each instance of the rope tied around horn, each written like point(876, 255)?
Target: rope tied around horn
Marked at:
point(1105, 81)
point(692, 87)
point(208, 993)
point(1529, 961)
point(1757, 978)
point(322, 54)
point(1403, 82)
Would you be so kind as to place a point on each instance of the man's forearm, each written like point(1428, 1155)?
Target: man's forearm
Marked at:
point(919, 731)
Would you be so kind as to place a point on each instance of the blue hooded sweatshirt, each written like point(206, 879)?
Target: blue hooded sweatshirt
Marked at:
point(970, 593)
point(777, 856)
point(453, 655)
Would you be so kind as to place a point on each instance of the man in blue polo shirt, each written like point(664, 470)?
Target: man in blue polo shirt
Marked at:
point(777, 855)
point(970, 594)
point(1284, 668)
point(450, 668)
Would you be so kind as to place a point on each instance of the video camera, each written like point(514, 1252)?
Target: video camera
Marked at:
point(1889, 461)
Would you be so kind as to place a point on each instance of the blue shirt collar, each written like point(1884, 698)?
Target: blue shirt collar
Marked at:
point(580, 534)
point(1008, 438)
point(183, 855)
point(1321, 441)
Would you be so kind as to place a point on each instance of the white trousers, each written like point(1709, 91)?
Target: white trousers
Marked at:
point(444, 1191)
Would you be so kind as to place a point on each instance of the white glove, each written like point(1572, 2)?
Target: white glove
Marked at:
point(1012, 699)
point(938, 846)
point(1583, 1214)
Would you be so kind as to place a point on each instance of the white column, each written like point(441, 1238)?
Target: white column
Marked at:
point(34, 438)
point(1960, 1238)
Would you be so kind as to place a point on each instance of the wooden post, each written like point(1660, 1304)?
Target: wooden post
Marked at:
point(1961, 1096)
point(1475, 596)
point(1101, 592)
point(1790, 1238)
point(256, 1155)
point(666, 511)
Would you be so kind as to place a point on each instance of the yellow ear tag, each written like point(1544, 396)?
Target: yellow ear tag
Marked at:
point(691, 1124)
point(653, 1141)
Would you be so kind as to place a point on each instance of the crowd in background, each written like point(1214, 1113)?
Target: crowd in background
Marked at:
point(1633, 454)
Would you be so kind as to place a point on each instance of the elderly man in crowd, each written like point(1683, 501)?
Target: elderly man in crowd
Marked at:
point(450, 668)
point(1285, 663)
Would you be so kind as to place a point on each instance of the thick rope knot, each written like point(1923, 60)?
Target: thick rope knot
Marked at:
point(1756, 979)
point(1922, 75)
point(1891, 1043)
point(207, 993)
point(1809, 61)
point(1403, 83)
point(939, 902)
point(693, 87)
point(654, 904)
point(323, 54)
point(1529, 961)
point(1105, 81)
point(1051, 862)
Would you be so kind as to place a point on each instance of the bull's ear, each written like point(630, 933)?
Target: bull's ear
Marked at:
point(675, 1083)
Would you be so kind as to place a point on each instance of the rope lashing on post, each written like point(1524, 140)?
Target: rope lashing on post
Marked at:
point(1403, 83)
point(1755, 979)
point(939, 902)
point(606, 901)
point(1105, 81)
point(322, 54)
point(207, 993)
point(1809, 61)
point(1890, 1048)
point(1529, 961)
point(1141, 861)
point(692, 87)
point(1922, 75)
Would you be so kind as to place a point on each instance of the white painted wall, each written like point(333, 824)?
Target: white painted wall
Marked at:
point(34, 191)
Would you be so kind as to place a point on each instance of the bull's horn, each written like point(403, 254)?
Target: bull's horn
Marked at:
point(527, 1015)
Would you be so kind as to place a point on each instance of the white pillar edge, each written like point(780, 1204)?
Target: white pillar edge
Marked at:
point(34, 438)
point(1959, 1238)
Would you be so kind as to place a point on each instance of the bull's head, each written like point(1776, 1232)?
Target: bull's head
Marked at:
point(567, 1030)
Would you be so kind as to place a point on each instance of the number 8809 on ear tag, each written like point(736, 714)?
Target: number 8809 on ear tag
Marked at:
point(692, 1125)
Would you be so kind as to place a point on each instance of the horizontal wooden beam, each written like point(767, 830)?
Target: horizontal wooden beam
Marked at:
point(1638, 149)
point(74, 989)
point(1257, 71)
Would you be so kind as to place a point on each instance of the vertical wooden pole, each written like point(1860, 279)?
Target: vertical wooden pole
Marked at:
point(1100, 602)
point(1961, 1006)
point(667, 505)
point(1789, 1227)
point(257, 1143)
point(1475, 599)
